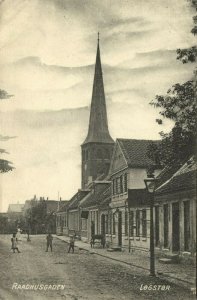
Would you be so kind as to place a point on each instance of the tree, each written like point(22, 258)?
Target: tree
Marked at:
point(5, 165)
point(180, 105)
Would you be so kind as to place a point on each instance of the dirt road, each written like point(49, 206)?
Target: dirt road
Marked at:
point(36, 274)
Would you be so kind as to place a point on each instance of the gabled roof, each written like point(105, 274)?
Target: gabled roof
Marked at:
point(15, 208)
point(96, 195)
point(75, 200)
point(183, 179)
point(135, 152)
point(53, 205)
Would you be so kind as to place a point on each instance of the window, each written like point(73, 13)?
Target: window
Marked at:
point(106, 224)
point(110, 222)
point(121, 184)
point(113, 187)
point(126, 223)
point(131, 222)
point(114, 224)
point(116, 185)
point(137, 223)
point(144, 226)
point(125, 182)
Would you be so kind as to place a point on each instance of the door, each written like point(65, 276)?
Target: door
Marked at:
point(120, 228)
point(175, 227)
point(186, 226)
point(157, 226)
point(166, 225)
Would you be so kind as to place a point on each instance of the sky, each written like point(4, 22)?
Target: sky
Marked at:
point(47, 57)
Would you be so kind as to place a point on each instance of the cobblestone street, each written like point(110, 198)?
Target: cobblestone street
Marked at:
point(84, 275)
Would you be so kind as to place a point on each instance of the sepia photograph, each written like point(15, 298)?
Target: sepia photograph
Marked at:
point(98, 156)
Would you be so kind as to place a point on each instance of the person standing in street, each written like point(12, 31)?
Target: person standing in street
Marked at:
point(14, 243)
point(71, 244)
point(49, 241)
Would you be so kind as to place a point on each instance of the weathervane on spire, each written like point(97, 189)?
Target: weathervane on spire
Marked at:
point(98, 37)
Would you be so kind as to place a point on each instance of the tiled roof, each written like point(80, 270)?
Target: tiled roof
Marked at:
point(183, 179)
point(63, 206)
point(75, 200)
point(135, 152)
point(96, 195)
point(105, 198)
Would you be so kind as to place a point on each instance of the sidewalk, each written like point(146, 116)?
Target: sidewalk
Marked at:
point(180, 274)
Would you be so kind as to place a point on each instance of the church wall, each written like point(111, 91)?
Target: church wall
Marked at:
point(95, 161)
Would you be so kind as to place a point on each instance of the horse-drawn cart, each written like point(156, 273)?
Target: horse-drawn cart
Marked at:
point(97, 238)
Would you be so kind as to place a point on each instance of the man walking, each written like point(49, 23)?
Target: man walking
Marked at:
point(71, 243)
point(49, 241)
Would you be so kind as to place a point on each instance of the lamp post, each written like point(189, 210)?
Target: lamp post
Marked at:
point(150, 187)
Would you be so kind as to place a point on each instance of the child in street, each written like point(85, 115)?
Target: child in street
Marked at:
point(14, 243)
point(71, 243)
point(49, 241)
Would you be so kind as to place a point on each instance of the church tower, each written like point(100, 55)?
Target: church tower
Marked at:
point(98, 145)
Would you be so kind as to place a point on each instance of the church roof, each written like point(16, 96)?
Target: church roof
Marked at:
point(135, 152)
point(98, 125)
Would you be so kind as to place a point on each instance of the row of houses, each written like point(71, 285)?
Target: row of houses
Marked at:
point(118, 206)
point(36, 215)
point(112, 200)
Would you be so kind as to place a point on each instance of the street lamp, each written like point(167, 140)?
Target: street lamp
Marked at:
point(150, 187)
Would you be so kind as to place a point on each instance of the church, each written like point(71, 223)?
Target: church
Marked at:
point(112, 200)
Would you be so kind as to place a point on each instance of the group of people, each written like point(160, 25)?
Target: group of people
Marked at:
point(49, 238)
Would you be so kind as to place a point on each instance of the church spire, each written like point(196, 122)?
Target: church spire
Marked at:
point(98, 125)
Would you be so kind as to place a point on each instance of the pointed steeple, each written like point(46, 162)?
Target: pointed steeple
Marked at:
point(98, 125)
